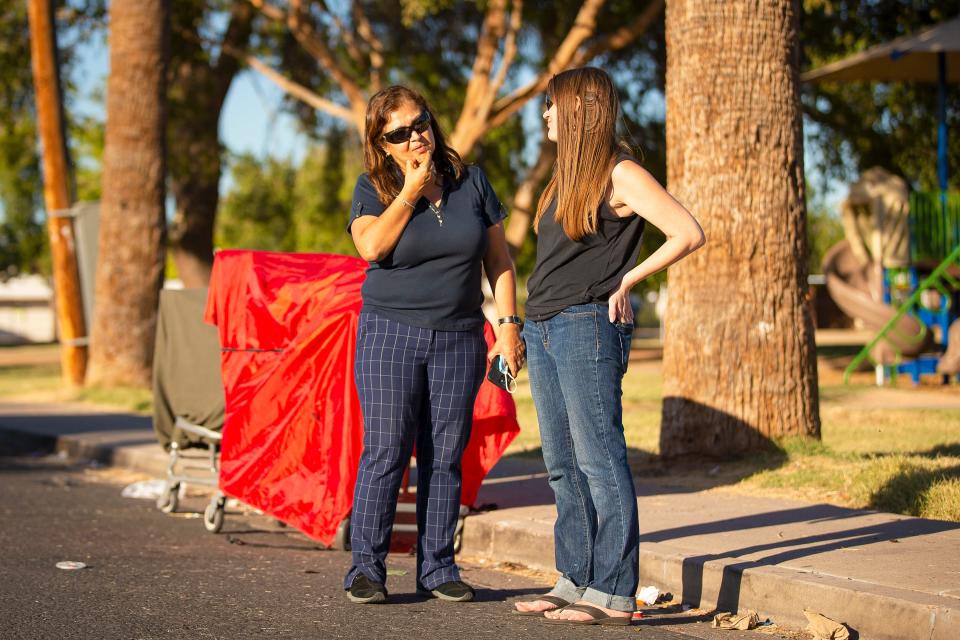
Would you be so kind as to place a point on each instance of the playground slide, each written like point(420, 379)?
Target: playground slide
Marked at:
point(950, 361)
point(847, 283)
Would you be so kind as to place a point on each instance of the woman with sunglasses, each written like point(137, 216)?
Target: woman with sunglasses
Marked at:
point(579, 324)
point(426, 223)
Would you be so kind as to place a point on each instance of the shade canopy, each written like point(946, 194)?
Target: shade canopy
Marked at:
point(911, 58)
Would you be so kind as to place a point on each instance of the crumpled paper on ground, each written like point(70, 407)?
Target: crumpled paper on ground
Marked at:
point(741, 621)
point(145, 489)
point(823, 628)
point(648, 595)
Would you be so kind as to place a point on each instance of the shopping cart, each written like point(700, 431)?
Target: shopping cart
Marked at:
point(188, 400)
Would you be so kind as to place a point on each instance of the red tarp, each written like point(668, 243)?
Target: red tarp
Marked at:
point(293, 430)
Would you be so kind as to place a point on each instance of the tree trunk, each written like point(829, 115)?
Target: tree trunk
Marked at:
point(739, 361)
point(195, 165)
point(197, 89)
point(524, 205)
point(132, 224)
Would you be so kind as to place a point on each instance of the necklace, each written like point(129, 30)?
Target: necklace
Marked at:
point(436, 209)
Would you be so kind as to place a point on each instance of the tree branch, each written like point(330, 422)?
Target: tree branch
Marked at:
point(622, 36)
point(508, 105)
point(270, 11)
point(523, 209)
point(365, 31)
point(236, 37)
point(487, 44)
point(349, 41)
point(478, 98)
point(300, 92)
point(304, 33)
point(583, 27)
point(509, 51)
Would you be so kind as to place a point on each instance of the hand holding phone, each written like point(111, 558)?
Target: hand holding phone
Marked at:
point(500, 375)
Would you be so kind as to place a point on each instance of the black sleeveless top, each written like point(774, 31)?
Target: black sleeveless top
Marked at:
point(569, 272)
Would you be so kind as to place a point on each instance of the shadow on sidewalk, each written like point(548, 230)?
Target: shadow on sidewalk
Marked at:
point(520, 479)
point(784, 550)
point(38, 434)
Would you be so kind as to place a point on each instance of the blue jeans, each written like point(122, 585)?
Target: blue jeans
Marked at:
point(577, 360)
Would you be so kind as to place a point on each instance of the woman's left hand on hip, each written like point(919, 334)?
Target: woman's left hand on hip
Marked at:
point(620, 308)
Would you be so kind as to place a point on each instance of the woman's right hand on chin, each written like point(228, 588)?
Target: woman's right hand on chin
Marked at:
point(418, 175)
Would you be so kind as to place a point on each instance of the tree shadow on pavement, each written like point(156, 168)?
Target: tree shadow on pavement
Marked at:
point(520, 479)
point(38, 434)
point(504, 595)
point(786, 549)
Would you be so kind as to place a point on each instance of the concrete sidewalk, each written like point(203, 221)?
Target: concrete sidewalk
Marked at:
point(886, 576)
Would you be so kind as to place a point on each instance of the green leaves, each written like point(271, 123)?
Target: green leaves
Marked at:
point(276, 206)
point(859, 125)
point(22, 239)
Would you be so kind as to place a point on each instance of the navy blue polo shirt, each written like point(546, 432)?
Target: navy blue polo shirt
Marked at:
point(432, 277)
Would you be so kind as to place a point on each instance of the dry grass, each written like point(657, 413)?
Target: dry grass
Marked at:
point(32, 374)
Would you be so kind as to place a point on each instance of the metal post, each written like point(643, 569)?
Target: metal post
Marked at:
point(942, 129)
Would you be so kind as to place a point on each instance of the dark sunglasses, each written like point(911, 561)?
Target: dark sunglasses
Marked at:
point(402, 134)
point(547, 103)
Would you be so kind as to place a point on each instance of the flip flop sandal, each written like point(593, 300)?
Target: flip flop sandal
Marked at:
point(560, 602)
point(597, 617)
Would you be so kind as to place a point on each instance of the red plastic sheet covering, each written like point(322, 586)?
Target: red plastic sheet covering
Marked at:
point(293, 430)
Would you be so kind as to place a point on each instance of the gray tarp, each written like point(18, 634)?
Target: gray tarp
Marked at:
point(186, 367)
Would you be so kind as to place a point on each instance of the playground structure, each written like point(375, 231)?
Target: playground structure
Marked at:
point(879, 282)
point(898, 273)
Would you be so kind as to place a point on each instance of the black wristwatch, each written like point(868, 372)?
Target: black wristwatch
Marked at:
point(510, 320)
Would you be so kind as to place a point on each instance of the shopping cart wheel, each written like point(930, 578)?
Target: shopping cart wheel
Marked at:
point(341, 540)
point(213, 514)
point(170, 498)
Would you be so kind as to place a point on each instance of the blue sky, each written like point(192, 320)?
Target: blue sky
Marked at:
point(251, 122)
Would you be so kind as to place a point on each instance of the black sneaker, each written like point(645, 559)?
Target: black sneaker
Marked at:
point(453, 591)
point(363, 590)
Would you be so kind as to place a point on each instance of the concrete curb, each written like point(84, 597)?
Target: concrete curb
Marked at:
point(92, 447)
point(877, 612)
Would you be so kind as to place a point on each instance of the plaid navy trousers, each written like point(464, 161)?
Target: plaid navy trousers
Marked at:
point(415, 385)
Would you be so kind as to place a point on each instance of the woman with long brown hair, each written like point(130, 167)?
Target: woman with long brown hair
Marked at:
point(579, 323)
point(426, 223)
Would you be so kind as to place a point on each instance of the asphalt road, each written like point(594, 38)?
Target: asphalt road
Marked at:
point(151, 575)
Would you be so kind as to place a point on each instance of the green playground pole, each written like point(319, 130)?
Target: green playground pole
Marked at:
point(929, 282)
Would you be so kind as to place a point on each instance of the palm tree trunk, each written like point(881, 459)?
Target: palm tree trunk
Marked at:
point(739, 358)
point(195, 166)
point(132, 223)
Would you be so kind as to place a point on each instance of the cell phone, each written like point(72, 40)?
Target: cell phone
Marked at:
point(500, 375)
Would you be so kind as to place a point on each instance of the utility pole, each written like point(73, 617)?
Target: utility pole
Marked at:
point(56, 192)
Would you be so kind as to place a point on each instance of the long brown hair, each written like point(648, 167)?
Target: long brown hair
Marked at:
point(384, 172)
point(587, 146)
